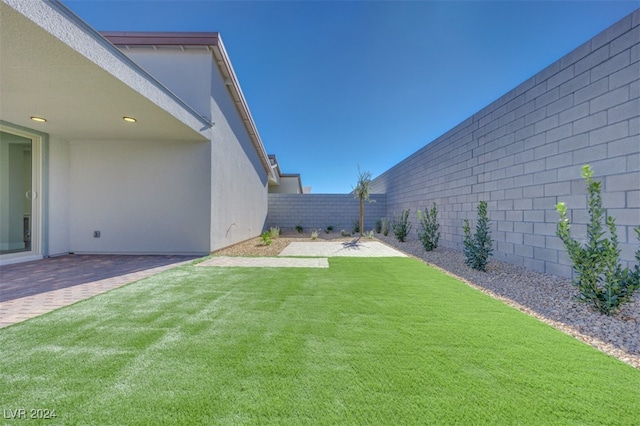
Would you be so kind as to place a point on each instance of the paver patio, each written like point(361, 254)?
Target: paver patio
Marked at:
point(34, 288)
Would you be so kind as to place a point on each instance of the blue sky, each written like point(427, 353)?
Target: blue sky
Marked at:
point(334, 85)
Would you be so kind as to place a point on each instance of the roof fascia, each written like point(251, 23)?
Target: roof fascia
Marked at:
point(231, 81)
point(64, 10)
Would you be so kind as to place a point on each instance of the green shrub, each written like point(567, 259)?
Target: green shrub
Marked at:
point(356, 226)
point(479, 246)
point(378, 226)
point(266, 238)
point(600, 278)
point(401, 226)
point(275, 232)
point(299, 229)
point(429, 224)
point(384, 228)
point(345, 233)
point(328, 229)
point(314, 235)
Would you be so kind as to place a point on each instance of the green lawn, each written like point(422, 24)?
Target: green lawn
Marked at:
point(367, 341)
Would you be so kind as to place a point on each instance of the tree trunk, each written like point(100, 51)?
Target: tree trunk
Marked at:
point(361, 216)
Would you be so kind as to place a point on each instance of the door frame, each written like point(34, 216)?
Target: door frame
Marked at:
point(37, 197)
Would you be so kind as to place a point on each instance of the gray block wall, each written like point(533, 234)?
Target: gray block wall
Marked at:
point(317, 211)
point(524, 152)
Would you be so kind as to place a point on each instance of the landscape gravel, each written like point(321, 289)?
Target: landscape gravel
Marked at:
point(546, 297)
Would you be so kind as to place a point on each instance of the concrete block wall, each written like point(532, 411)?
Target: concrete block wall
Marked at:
point(524, 152)
point(317, 211)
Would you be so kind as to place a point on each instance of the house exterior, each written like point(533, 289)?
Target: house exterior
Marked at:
point(285, 183)
point(145, 142)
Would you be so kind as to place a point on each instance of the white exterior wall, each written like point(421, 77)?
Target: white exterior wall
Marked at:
point(58, 182)
point(288, 185)
point(143, 197)
point(239, 203)
point(238, 179)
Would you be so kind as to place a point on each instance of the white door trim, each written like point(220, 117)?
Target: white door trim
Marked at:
point(36, 198)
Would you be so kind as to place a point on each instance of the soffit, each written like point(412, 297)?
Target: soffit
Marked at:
point(198, 40)
point(42, 76)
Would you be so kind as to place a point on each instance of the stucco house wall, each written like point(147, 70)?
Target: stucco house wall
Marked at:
point(143, 197)
point(58, 187)
point(188, 177)
point(238, 180)
point(287, 185)
point(523, 154)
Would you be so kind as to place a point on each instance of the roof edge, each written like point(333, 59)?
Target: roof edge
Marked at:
point(222, 60)
point(97, 36)
point(162, 38)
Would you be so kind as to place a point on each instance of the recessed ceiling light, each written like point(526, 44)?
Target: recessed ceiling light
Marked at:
point(129, 119)
point(39, 119)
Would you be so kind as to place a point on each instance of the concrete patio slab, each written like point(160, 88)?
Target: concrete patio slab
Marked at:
point(337, 249)
point(265, 262)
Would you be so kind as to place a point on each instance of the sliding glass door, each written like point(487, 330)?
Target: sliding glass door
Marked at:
point(20, 154)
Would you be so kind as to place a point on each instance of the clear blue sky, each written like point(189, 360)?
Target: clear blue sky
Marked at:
point(337, 85)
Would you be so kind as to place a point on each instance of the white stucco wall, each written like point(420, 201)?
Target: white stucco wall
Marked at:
point(288, 185)
point(238, 188)
point(143, 197)
point(58, 182)
point(238, 179)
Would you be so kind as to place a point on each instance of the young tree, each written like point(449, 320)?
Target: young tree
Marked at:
point(361, 192)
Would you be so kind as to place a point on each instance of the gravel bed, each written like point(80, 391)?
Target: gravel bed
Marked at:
point(547, 297)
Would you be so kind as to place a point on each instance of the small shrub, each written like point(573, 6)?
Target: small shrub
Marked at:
point(328, 229)
point(314, 235)
point(299, 229)
point(385, 226)
point(479, 246)
point(266, 238)
point(356, 226)
point(402, 226)
point(345, 233)
point(275, 232)
point(378, 226)
point(369, 234)
point(429, 224)
point(600, 278)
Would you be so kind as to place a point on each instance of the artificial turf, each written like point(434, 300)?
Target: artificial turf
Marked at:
point(366, 341)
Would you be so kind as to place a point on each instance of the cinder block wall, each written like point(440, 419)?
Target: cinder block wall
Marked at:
point(523, 154)
point(317, 211)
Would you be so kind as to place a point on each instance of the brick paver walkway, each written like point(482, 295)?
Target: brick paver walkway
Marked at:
point(34, 288)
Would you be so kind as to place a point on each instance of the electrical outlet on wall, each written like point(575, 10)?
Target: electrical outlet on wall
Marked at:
point(96, 234)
